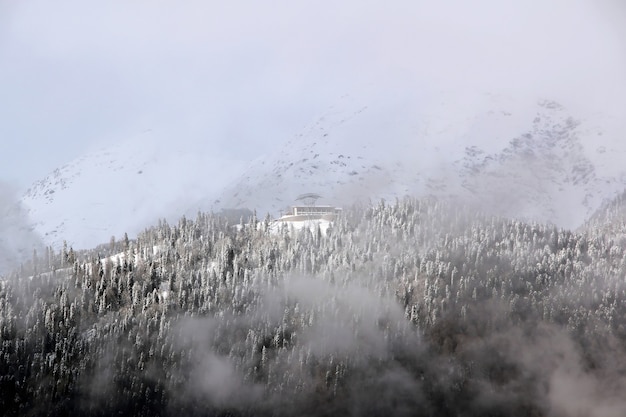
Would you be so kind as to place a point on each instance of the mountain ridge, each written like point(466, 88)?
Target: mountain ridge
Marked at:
point(540, 151)
point(523, 158)
point(122, 188)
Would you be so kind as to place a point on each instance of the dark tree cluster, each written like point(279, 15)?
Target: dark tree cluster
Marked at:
point(419, 308)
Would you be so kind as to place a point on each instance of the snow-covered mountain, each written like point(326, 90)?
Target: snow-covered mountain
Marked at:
point(124, 188)
point(609, 219)
point(515, 157)
point(520, 158)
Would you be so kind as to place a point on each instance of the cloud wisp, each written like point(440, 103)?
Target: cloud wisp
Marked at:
point(254, 74)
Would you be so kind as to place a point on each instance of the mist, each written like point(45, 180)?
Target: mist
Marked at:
point(77, 75)
point(17, 237)
point(419, 307)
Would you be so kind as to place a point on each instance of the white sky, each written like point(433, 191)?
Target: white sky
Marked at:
point(240, 75)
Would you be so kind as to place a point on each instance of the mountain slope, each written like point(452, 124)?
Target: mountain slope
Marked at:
point(518, 158)
point(413, 308)
point(609, 219)
point(124, 188)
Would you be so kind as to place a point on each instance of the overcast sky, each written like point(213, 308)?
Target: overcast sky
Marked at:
point(240, 75)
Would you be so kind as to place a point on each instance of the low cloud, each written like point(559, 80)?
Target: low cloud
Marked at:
point(17, 236)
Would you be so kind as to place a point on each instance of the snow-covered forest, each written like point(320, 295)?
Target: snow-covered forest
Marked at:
point(418, 307)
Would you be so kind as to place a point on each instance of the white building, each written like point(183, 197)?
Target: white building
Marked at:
point(311, 212)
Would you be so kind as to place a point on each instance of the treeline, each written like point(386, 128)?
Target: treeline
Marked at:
point(414, 308)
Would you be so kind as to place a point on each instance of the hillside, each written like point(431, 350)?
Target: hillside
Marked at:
point(609, 219)
point(516, 158)
point(415, 308)
point(124, 187)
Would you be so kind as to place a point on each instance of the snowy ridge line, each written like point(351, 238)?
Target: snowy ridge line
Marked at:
point(526, 160)
point(511, 157)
